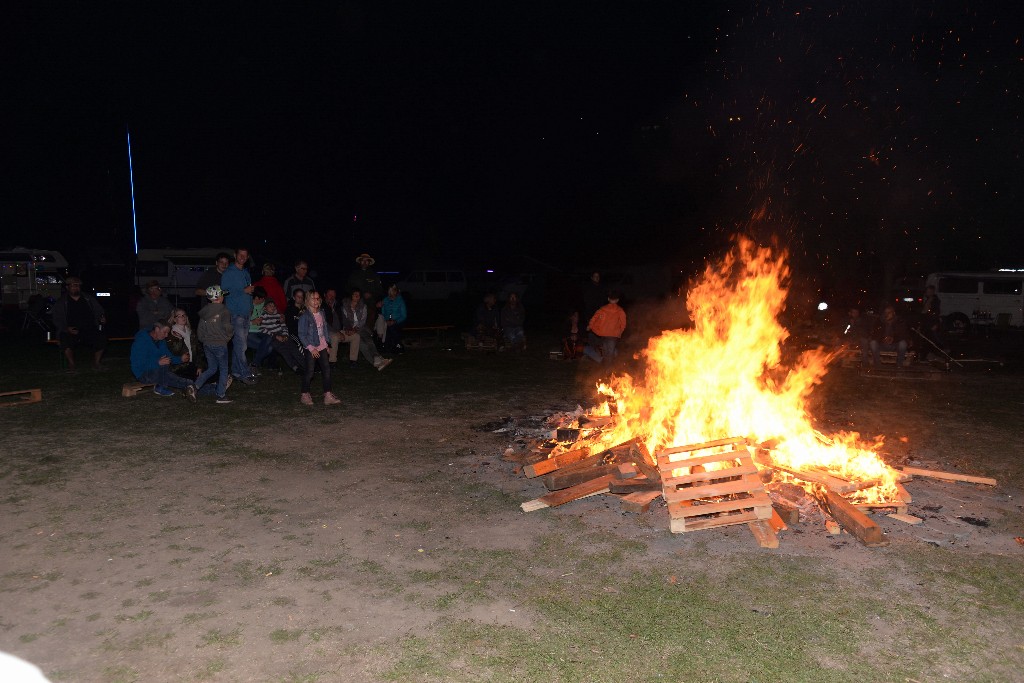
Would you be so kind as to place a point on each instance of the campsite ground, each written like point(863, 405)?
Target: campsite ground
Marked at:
point(148, 539)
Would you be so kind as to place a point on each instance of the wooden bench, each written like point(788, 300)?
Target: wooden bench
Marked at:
point(62, 361)
point(440, 331)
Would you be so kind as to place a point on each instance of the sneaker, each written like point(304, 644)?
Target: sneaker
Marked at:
point(162, 391)
point(352, 365)
point(306, 400)
point(227, 384)
point(223, 399)
point(248, 379)
point(331, 400)
point(254, 370)
point(383, 363)
point(190, 392)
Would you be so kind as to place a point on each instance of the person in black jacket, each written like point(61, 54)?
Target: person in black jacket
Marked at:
point(889, 334)
point(79, 320)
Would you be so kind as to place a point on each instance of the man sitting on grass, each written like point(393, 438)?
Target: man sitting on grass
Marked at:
point(151, 362)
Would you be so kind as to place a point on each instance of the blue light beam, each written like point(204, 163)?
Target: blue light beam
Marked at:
point(131, 180)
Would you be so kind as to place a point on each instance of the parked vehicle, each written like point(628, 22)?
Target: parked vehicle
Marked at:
point(994, 298)
point(177, 270)
point(43, 275)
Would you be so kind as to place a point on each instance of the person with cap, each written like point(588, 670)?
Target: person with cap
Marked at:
point(79, 320)
point(366, 280)
point(153, 306)
point(216, 329)
point(299, 280)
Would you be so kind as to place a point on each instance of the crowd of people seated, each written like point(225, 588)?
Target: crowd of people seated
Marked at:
point(289, 325)
point(293, 326)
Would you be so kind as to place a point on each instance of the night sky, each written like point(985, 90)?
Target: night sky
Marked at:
point(872, 139)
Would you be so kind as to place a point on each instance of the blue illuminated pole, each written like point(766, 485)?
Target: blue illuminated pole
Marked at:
point(131, 180)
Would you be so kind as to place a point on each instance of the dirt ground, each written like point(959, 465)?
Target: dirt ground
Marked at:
point(294, 545)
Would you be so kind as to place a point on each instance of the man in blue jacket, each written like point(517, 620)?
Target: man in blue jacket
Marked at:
point(152, 362)
point(237, 284)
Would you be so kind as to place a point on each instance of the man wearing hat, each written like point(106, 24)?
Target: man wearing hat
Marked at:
point(368, 282)
point(153, 306)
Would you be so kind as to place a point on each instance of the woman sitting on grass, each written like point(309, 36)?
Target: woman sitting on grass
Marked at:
point(182, 340)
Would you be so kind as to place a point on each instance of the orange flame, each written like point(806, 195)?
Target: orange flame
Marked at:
point(725, 377)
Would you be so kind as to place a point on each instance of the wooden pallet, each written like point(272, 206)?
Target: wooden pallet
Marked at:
point(131, 389)
point(703, 498)
point(21, 398)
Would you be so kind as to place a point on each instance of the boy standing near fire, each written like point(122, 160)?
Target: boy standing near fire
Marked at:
point(605, 327)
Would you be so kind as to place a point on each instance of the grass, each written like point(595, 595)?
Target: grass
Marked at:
point(571, 598)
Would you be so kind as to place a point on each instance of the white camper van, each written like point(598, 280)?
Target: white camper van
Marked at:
point(995, 298)
point(29, 272)
point(177, 270)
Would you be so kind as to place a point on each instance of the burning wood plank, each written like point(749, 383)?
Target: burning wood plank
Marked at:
point(853, 520)
point(584, 490)
point(833, 483)
point(950, 476)
point(896, 506)
point(644, 461)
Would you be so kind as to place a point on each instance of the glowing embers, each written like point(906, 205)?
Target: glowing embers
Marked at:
point(712, 484)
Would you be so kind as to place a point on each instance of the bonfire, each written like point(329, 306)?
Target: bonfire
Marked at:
point(718, 414)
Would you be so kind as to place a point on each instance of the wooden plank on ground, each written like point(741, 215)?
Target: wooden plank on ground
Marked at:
point(632, 485)
point(130, 389)
point(854, 521)
point(764, 534)
point(556, 498)
point(22, 397)
point(776, 521)
point(560, 460)
point(906, 519)
point(950, 476)
point(904, 494)
point(789, 514)
point(639, 501)
point(562, 479)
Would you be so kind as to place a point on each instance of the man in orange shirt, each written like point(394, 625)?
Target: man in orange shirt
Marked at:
point(606, 326)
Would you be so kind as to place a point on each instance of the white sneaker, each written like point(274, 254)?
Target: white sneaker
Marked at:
point(382, 363)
